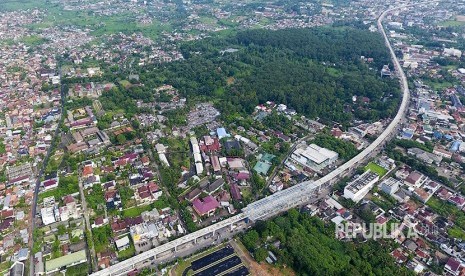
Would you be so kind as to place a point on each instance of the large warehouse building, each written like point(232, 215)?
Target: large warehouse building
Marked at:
point(314, 157)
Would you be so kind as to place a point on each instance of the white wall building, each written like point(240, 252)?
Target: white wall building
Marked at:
point(48, 216)
point(452, 52)
point(390, 185)
point(314, 157)
point(197, 155)
point(122, 243)
point(358, 188)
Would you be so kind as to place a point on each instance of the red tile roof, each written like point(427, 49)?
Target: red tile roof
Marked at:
point(88, 170)
point(235, 192)
point(205, 205)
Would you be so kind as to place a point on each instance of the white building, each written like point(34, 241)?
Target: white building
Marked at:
point(48, 216)
point(276, 187)
point(199, 168)
point(160, 148)
point(390, 185)
point(396, 25)
point(143, 232)
point(163, 159)
point(314, 157)
point(358, 189)
point(452, 52)
point(197, 155)
point(282, 107)
point(122, 243)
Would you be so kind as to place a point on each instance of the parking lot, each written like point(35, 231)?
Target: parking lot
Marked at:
point(241, 271)
point(223, 261)
point(212, 258)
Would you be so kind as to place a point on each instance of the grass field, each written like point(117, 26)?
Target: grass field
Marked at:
point(456, 232)
point(136, 211)
point(33, 40)
point(125, 83)
point(67, 185)
point(451, 23)
point(333, 71)
point(438, 86)
point(12, 5)
point(450, 67)
point(101, 25)
point(208, 20)
point(376, 168)
point(6, 42)
point(127, 253)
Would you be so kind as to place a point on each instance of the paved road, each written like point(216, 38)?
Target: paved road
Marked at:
point(283, 200)
point(88, 225)
point(37, 187)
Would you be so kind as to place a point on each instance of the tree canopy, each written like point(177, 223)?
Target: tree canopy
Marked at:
point(346, 150)
point(309, 246)
point(315, 71)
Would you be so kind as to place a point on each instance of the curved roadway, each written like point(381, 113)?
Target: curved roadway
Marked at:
point(293, 196)
point(299, 193)
point(391, 128)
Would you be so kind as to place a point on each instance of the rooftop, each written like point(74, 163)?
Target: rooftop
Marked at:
point(316, 153)
point(205, 205)
point(66, 260)
point(362, 181)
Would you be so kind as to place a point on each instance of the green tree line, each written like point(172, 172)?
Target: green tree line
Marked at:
point(309, 247)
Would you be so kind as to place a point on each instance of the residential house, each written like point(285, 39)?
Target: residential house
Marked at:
point(415, 179)
point(205, 206)
point(453, 267)
point(123, 243)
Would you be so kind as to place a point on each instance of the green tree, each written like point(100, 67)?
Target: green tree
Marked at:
point(251, 239)
point(121, 139)
point(260, 254)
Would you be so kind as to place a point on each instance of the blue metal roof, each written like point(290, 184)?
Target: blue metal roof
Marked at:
point(437, 134)
point(455, 146)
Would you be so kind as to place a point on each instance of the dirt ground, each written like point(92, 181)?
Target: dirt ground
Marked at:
point(460, 18)
point(255, 268)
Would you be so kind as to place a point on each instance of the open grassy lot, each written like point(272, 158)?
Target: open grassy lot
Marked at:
point(67, 185)
point(456, 232)
point(33, 40)
point(136, 211)
point(451, 23)
point(125, 83)
point(12, 5)
point(101, 237)
point(376, 168)
point(160, 203)
point(127, 253)
point(438, 86)
point(100, 25)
